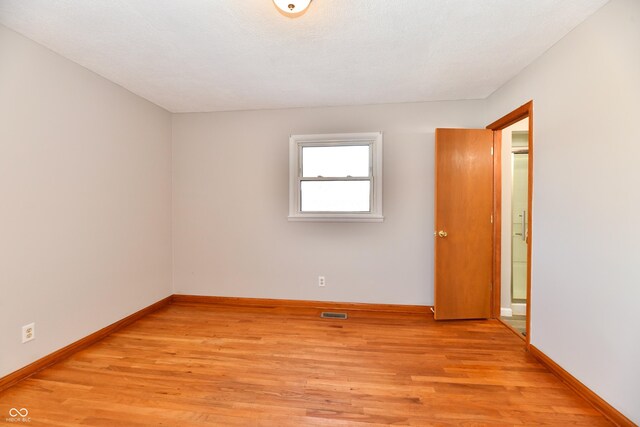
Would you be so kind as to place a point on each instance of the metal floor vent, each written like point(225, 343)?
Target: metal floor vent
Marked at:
point(330, 315)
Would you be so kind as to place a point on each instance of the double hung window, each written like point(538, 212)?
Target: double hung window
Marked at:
point(336, 177)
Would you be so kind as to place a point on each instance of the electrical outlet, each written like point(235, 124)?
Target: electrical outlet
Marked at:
point(321, 281)
point(28, 332)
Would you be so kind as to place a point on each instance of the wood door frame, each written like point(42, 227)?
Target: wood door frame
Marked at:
point(516, 115)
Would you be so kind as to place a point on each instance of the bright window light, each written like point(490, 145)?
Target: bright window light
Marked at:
point(336, 161)
point(335, 196)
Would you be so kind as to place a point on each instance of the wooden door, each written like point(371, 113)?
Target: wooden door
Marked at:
point(463, 223)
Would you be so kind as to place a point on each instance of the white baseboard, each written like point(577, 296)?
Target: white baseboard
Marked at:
point(519, 309)
point(506, 312)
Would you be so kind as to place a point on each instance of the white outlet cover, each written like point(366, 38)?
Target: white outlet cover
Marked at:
point(28, 332)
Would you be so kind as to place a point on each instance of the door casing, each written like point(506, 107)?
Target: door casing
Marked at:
point(522, 112)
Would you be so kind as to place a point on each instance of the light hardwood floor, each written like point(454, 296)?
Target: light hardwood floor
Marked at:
point(194, 365)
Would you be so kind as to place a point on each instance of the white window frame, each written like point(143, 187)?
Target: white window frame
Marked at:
point(297, 142)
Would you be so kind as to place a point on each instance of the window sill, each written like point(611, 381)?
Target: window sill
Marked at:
point(336, 218)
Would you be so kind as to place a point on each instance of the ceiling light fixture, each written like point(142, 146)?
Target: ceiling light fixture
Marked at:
point(292, 8)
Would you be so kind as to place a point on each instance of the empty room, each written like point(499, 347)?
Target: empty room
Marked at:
point(319, 212)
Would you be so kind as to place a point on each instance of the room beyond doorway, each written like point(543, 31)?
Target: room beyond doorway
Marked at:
point(514, 235)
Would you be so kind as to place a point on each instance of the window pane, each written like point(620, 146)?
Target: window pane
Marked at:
point(335, 196)
point(336, 161)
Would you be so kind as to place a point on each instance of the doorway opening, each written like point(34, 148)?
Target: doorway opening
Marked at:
point(515, 177)
point(513, 184)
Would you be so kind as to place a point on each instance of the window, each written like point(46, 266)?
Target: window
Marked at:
point(335, 177)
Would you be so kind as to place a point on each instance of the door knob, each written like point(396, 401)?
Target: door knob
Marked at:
point(442, 233)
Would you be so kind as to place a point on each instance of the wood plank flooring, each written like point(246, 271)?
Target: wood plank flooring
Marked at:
point(196, 365)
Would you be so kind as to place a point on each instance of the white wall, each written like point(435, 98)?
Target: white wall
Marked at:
point(586, 250)
point(231, 234)
point(85, 179)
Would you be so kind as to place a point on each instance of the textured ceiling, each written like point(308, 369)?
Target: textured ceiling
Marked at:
point(213, 55)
